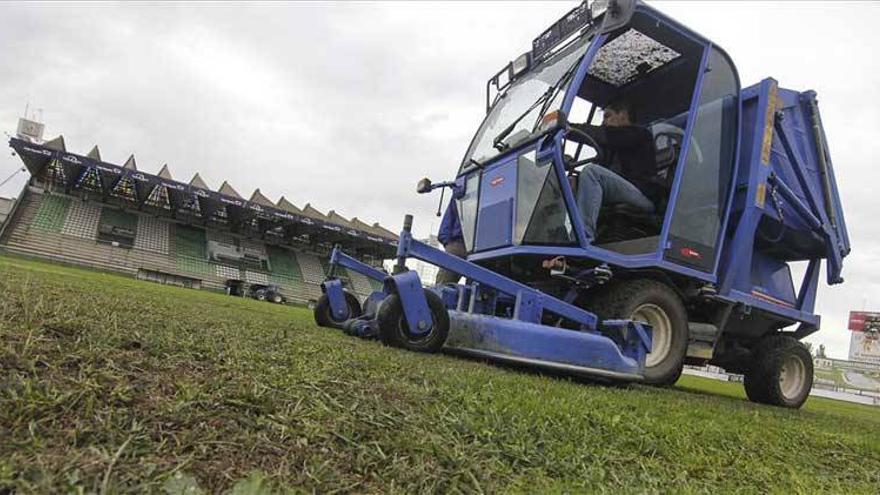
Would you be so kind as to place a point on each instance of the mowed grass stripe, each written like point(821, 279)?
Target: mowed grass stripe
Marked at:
point(109, 382)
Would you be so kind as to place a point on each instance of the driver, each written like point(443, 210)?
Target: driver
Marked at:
point(627, 169)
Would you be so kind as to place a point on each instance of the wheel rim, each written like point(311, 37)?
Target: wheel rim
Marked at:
point(403, 327)
point(661, 331)
point(409, 336)
point(344, 317)
point(792, 376)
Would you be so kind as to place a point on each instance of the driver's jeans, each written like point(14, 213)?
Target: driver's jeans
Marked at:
point(597, 186)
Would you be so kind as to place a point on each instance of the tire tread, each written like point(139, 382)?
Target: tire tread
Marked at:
point(615, 301)
point(761, 381)
point(322, 310)
point(390, 312)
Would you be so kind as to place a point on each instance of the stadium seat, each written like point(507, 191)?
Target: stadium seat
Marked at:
point(254, 249)
point(190, 251)
point(220, 237)
point(360, 284)
point(117, 227)
point(311, 268)
point(82, 220)
point(283, 265)
point(119, 219)
point(152, 235)
point(286, 273)
point(253, 277)
point(227, 272)
point(163, 248)
point(51, 213)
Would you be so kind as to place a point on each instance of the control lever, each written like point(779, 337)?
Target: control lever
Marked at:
point(589, 277)
point(440, 204)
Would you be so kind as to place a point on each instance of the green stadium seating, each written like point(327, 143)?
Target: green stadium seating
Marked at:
point(152, 235)
point(283, 265)
point(119, 219)
point(82, 219)
point(190, 251)
point(285, 270)
point(313, 270)
point(52, 213)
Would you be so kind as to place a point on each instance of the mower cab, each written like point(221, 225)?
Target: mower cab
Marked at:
point(741, 184)
point(516, 188)
point(520, 172)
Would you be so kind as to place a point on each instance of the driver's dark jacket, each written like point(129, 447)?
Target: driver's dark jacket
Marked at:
point(627, 151)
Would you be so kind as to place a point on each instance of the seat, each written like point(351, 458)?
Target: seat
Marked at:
point(621, 221)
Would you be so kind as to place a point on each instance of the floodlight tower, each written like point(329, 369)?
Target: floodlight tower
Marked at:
point(30, 127)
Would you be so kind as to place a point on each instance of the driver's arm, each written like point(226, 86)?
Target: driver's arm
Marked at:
point(594, 131)
point(611, 137)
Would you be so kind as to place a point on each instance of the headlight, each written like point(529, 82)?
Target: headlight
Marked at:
point(598, 7)
point(521, 64)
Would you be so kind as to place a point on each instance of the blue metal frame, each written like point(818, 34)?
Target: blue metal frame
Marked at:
point(685, 149)
point(813, 213)
point(521, 337)
point(339, 310)
point(757, 200)
point(412, 297)
point(476, 273)
point(339, 258)
point(530, 304)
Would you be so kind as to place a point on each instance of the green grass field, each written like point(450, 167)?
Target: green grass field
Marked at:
point(114, 385)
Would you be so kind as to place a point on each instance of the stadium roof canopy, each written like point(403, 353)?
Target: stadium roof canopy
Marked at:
point(194, 203)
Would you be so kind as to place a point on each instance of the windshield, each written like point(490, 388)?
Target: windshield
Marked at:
point(519, 102)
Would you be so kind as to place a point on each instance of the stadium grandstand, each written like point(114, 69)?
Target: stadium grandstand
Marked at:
point(82, 210)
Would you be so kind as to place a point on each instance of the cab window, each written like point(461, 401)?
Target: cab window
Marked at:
point(705, 181)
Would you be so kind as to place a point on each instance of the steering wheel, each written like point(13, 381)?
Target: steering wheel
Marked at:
point(672, 132)
point(589, 141)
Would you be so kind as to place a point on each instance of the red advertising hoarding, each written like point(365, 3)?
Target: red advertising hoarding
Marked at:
point(862, 321)
point(864, 343)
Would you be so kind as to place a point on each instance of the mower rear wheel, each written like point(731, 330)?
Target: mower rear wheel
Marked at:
point(277, 299)
point(394, 330)
point(781, 373)
point(324, 316)
point(656, 304)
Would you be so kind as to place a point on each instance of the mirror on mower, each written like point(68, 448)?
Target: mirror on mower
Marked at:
point(423, 186)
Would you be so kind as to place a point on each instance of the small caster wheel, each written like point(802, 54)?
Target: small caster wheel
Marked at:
point(394, 330)
point(324, 317)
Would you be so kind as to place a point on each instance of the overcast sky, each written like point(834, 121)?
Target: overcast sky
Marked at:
point(346, 106)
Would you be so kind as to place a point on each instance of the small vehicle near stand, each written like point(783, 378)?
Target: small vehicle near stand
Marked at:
point(261, 292)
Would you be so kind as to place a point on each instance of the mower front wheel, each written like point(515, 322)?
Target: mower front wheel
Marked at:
point(394, 331)
point(324, 315)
